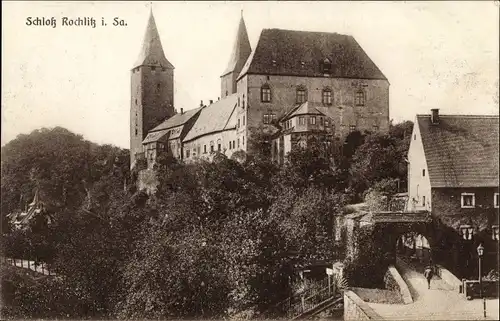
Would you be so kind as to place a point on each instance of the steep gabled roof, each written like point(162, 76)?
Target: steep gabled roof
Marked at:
point(214, 118)
point(300, 53)
point(306, 108)
point(152, 50)
point(177, 119)
point(241, 50)
point(461, 150)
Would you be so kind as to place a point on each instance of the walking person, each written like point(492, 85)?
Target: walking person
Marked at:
point(428, 273)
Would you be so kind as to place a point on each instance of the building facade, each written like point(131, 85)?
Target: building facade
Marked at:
point(259, 89)
point(453, 173)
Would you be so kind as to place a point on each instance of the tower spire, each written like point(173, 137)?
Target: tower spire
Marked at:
point(241, 49)
point(152, 49)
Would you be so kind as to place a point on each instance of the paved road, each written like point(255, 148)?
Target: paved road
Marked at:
point(440, 302)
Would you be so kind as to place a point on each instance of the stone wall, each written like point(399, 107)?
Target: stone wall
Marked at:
point(357, 309)
point(395, 282)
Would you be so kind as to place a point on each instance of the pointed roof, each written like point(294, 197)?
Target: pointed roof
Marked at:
point(152, 50)
point(241, 50)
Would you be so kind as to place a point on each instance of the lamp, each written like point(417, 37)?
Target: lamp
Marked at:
point(480, 253)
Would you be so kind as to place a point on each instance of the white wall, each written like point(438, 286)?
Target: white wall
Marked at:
point(419, 186)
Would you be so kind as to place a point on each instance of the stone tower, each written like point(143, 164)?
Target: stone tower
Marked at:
point(152, 89)
point(239, 56)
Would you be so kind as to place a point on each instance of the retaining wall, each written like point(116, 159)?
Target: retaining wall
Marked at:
point(357, 309)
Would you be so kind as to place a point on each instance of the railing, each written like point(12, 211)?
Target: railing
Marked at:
point(31, 265)
point(302, 302)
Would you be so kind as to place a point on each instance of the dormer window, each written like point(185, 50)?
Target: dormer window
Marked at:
point(265, 93)
point(326, 66)
point(360, 98)
point(467, 232)
point(468, 200)
point(326, 96)
point(301, 95)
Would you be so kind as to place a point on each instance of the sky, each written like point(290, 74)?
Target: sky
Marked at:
point(435, 54)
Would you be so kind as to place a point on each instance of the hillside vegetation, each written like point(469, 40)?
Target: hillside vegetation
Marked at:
point(216, 238)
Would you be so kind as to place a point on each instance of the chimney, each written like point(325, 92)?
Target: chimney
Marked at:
point(182, 111)
point(211, 101)
point(201, 103)
point(435, 116)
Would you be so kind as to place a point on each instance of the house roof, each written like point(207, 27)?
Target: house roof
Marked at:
point(307, 108)
point(300, 53)
point(152, 50)
point(241, 50)
point(461, 150)
point(215, 117)
point(177, 119)
point(156, 136)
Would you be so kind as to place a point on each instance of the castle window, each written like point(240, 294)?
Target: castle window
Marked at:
point(187, 153)
point(163, 69)
point(468, 200)
point(136, 105)
point(238, 101)
point(219, 144)
point(423, 173)
point(211, 146)
point(312, 120)
point(243, 102)
point(302, 120)
point(301, 95)
point(265, 93)
point(360, 98)
point(375, 128)
point(227, 92)
point(238, 143)
point(198, 149)
point(496, 200)
point(494, 232)
point(321, 121)
point(153, 68)
point(243, 140)
point(243, 120)
point(467, 232)
point(327, 123)
point(423, 200)
point(239, 120)
point(234, 144)
point(352, 128)
point(204, 149)
point(327, 66)
point(136, 132)
point(273, 118)
point(327, 96)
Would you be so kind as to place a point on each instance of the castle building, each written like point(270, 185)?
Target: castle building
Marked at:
point(294, 86)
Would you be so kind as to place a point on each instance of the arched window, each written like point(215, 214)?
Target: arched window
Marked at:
point(326, 96)
point(265, 93)
point(360, 98)
point(219, 144)
point(301, 95)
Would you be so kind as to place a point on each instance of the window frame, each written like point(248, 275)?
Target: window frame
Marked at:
point(462, 203)
point(265, 119)
point(312, 120)
point(496, 200)
point(265, 93)
point(329, 100)
point(360, 98)
point(470, 232)
point(302, 120)
point(303, 95)
point(494, 236)
point(352, 128)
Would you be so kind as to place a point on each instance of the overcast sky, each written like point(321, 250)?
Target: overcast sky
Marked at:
point(435, 54)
